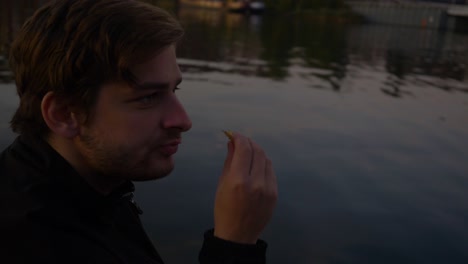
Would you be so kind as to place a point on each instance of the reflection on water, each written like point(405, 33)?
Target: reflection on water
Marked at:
point(283, 47)
point(367, 127)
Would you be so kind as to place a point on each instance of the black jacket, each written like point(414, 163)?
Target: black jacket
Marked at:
point(49, 214)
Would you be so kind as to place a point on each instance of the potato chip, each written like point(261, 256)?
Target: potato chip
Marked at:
point(228, 134)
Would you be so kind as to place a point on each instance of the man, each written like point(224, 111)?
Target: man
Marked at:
point(98, 110)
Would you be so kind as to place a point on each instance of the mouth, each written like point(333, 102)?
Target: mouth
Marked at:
point(170, 148)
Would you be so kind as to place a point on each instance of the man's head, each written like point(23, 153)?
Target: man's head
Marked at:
point(73, 47)
point(97, 77)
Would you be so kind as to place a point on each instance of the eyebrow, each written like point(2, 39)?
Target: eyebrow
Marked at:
point(156, 85)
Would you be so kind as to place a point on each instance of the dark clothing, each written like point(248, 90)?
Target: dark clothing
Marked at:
point(49, 214)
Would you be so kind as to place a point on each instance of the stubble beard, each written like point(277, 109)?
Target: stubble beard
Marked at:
point(116, 160)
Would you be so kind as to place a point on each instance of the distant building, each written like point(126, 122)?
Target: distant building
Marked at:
point(433, 14)
point(458, 2)
point(452, 2)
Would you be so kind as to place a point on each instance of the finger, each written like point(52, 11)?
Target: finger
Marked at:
point(258, 163)
point(270, 178)
point(228, 160)
point(242, 155)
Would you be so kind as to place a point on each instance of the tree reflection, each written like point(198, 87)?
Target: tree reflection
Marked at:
point(272, 39)
point(397, 63)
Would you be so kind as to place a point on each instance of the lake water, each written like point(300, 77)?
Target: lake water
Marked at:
point(367, 127)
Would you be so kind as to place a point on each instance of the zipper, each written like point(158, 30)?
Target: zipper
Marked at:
point(131, 199)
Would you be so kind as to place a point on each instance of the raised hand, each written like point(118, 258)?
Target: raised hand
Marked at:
point(246, 194)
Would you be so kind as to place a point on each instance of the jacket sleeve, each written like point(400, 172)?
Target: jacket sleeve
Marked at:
point(219, 251)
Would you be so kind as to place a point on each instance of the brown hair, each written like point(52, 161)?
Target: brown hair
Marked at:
point(72, 47)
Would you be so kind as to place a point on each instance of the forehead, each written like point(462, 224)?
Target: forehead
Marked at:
point(160, 71)
point(160, 68)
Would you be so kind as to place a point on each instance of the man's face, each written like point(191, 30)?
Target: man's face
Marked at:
point(135, 131)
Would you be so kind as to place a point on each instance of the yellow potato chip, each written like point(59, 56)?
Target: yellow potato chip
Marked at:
point(228, 134)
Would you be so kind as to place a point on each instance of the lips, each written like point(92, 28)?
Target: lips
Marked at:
point(170, 149)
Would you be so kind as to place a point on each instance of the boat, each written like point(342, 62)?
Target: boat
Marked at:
point(245, 6)
point(210, 4)
point(239, 6)
point(256, 7)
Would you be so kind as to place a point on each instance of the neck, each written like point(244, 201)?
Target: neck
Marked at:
point(102, 184)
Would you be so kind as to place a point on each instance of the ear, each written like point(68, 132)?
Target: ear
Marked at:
point(58, 116)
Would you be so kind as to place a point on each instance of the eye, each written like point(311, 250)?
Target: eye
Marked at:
point(147, 100)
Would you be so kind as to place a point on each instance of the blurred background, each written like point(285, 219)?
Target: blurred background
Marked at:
point(362, 106)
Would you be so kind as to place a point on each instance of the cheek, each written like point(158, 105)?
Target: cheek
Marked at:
point(134, 127)
point(144, 122)
point(124, 124)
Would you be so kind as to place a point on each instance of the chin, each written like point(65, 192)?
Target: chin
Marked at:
point(148, 177)
point(154, 173)
point(149, 168)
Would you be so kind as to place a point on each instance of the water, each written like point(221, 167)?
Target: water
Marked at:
point(367, 127)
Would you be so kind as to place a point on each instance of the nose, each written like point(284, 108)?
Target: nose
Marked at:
point(176, 117)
